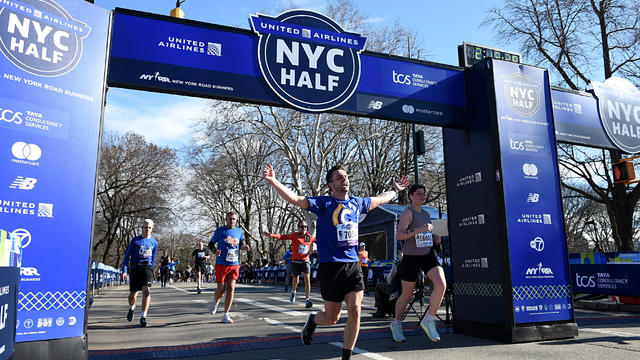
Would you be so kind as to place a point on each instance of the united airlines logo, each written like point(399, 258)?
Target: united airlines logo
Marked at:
point(40, 36)
point(307, 59)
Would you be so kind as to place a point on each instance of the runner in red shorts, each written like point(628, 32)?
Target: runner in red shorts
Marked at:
point(226, 243)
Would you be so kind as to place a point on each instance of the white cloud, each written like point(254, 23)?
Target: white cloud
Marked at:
point(164, 121)
point(374, 20)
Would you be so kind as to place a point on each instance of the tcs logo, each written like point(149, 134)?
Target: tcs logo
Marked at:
point(10, 116)
point(585, 281)
point(516, 145)
point(399, 78)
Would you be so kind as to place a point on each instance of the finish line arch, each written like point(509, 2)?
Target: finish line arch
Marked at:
point(501, 120)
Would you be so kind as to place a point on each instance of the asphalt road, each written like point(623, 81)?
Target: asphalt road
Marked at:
point(267, 326)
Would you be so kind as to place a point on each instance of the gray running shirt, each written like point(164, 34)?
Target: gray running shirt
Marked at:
point(421, 243)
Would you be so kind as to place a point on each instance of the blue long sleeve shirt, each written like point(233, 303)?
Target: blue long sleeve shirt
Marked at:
point(141, 252)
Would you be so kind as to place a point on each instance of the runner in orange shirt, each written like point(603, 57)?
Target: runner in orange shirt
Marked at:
point(300, 264)
point(364, 264)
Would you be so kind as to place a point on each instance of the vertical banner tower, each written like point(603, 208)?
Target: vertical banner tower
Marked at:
point(509, 255)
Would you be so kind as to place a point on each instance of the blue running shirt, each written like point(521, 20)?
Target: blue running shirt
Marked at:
point(337, 226)
point(141, 251)
point(228, 241)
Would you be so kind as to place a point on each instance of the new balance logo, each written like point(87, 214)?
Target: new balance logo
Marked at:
point(376, 105)
point(23, 183)
point(533, 198)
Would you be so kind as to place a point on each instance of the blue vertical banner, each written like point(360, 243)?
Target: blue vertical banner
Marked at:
point(52, 72)
point(533, 203)
point(9, 278)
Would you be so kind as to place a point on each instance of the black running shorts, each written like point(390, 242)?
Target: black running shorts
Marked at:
point(411, 265)
point(139, 277)
point(300, 267)
point(337, 279)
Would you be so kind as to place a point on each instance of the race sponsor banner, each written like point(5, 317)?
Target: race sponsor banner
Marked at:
point(52, 70)
point(619, 105)
point(9, 279)
point(299, 59)
point(576, 119)
point(606, 279)
point(533, 203)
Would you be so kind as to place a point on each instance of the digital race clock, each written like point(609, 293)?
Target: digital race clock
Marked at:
point(470, 54)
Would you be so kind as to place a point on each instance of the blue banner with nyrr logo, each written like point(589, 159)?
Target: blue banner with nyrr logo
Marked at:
point(52, 70)
point(299, 59)
point(533, 204)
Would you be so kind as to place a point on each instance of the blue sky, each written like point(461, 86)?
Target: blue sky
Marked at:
point(165, 119)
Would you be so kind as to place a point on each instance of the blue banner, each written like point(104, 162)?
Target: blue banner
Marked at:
point(52, 71)
point(533, 202)
point(577, 120)
point(606, 279)
point(158, 53)
point(9, 279)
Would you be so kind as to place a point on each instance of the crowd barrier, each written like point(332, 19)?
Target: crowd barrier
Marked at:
point(103, 276)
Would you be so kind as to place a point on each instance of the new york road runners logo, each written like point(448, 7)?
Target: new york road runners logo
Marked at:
point(307, 59)
point(40, 36)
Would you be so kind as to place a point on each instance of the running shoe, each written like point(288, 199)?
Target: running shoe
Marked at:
point(308, 330)
point(396, 332)
point(143, 321)
point(292, 297)
point(130, 315)
point(213, 308)
point(308, 303)
point(227, 319)
point(198, 290)
point(430, 328)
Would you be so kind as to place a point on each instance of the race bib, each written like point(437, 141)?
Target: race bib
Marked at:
point(145, 253)
point(424, 239)
point(200, 254)
point(347, 234)
point(232, 255)
point(303, 249)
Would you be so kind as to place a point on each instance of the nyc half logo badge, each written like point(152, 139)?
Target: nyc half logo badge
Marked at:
point(619, 104)
point(307, 59)
point(522, 93)
point(40, 36)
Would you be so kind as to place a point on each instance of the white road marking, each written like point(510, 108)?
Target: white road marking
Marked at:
point(281, 324)
point(609, 332)
point(271, 307)
point(363, 352)
point(364, 306)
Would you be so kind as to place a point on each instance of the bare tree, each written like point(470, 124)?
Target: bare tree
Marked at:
point(577, 39)
point(134, 182)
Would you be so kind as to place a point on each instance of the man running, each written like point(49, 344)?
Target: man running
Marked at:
point(364, 264)
point(226, 242)
point(164, 268)
point(200, 256)
point(301, 247)
point(287, 261)
point(139, 259)
point(339, 273)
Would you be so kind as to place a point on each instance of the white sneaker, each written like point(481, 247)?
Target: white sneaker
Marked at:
point(429, 327)
point(227, 319)
point(213, 308)
point(396, 332)
point(292, 297)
